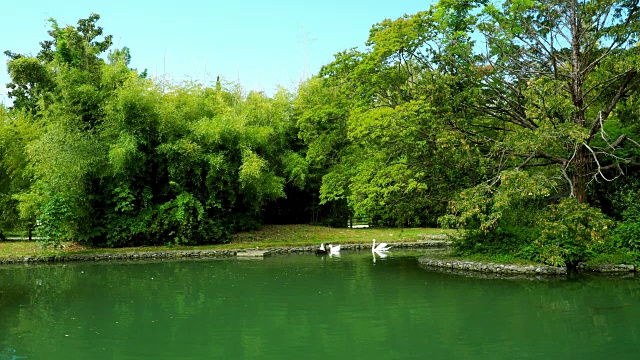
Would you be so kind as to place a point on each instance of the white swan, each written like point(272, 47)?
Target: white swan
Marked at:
point(381, 247)
point(334, 249)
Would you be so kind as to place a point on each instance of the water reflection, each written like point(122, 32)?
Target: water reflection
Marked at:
point(295, 306)
point(381, 254)
point(10, 354)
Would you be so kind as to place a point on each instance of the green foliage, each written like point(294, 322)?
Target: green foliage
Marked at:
point(321, 109)
point(483, 206)
point(539, 93)
point(374, 124)
point(570, 233)
point(517, 228)
point(56, 212)
point(255, 179)
point(31, 80)
point(184, 214)
point(627, 234)
point(70, 56)
point(120, 160)
point(16, 131)
point(616, 256)
point(209, 165)
point(504, 241)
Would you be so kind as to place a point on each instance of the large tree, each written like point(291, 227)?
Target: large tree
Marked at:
point(379, 129)
point(540, 88)
point(548, 86)
point(556, 72)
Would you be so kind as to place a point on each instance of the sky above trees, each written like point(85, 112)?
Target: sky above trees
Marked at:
point(261, 43)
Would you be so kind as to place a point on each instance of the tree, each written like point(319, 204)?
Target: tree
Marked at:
point(380, 126)
point(552, 76)
point(71, 53)
point(547, 92)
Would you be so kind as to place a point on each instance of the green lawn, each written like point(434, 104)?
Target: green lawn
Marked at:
point(268, 236)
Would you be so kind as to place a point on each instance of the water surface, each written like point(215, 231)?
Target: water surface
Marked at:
point(311, 307)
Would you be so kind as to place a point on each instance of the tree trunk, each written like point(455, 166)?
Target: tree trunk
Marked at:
point(580, 174)
point(580, 171)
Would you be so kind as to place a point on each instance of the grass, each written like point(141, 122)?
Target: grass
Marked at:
point(33, 248)
point(295, 235)
point(498, 259)
point(268, 236)
point(616, 257)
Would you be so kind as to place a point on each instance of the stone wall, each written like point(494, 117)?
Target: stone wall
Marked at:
point(145, 255)
point(516, 269)
point(492, 267)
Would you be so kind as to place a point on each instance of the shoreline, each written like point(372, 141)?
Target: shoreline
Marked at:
point(451, 265)
point(208, 253)
point(454, 266)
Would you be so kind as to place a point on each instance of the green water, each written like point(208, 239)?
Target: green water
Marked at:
point(309, 307)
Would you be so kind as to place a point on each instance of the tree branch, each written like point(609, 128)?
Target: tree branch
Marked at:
point(604, 115)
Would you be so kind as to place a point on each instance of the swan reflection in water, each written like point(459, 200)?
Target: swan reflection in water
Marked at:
point(382, 255)
point(334, 250)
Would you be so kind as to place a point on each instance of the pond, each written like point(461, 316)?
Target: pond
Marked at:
point(309, 307)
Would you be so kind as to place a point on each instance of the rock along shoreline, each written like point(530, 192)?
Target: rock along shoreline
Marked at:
point(509, 269)
point(457, 266)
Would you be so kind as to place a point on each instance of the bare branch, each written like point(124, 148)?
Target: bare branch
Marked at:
point(563, 169)
point(616, 43)
point(604, 115)
point(619, 141)
point(616, 165)
point(595, 158)
point(607, 84)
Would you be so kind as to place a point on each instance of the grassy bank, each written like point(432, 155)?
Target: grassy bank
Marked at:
point(268, 236)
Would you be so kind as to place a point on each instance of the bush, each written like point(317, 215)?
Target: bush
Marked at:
point(570, 233)
point(506, 240)
point(627, 233)
point(516, 228)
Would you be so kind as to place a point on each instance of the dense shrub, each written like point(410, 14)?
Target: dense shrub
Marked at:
point(570, 233)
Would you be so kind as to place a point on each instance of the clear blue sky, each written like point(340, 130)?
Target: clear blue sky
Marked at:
point(261, 43)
